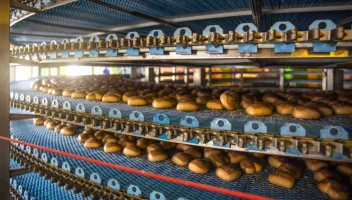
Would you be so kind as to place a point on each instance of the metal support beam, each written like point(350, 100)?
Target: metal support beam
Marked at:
point(4, 98)
point(136, 14)
point(17, 61)
point(209, 76)
point(134, 73)
point(256, 8)
point(70, 27)
point(45, 36)
point(241, 78)
point(207, 16)
point(158, 71)
point(332, 79)
point(18, 172)
point(14, 116)
point(149, 74)
point(282, 79)
point(345, 21)
point(199, 76)
point(21, 6)
point(186, 77)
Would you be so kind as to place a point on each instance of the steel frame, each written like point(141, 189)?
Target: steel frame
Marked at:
point(4, 99)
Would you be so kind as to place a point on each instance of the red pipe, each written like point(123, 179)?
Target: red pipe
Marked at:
point(147, 174)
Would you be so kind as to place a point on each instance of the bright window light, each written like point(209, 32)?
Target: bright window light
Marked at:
point(23, 73)
point(78, 70)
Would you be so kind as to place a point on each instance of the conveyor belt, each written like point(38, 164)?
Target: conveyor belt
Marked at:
point(237, 118)
point(42, 189)
point(257, 184)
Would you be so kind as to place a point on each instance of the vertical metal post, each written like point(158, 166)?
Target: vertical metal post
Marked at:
point(13, 73)
point(149, 74)
point(40, 70)
point(338, 79)
point(4, 98)
point(199, 76)
point(241, 78)
point(332, 79)
point(233, 75)
point(186, 77)
point(282, 79)
point(134, 73)
point(158, 70)
point(209, 76)
point(173, 72)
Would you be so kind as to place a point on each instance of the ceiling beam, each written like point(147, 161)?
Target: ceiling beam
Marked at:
point(345, 21)
point(136, 14)
point(46, 36)
point(256, 8)
point(70, 27)
point(21, 6)
point(206, 16)
point(45, 7)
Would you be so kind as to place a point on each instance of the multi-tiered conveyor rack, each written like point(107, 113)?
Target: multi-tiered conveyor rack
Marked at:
point(155, 34)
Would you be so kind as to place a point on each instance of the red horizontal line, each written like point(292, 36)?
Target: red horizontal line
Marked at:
point(147, 174)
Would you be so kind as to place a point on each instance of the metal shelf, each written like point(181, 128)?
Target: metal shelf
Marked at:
point(303, 58)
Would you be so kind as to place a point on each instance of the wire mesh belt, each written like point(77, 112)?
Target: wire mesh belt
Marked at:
point(256, 184)
point(39, 188)
point(237, 118)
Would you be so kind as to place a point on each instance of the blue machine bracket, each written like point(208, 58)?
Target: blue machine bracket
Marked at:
point(111, 52)
point(214, 49)
point(93, 53)
point(65, 166)
point(249, 47)
point(137, 116)
point(184, 50)
point(53, 55)
point(78, 54)
point(115, 113)
point(132, 51)
point(255, 127)
point(114, 184)
point(161, 118)
point(211, 48)
point(293, 151)
point(323, 47)
point(54, 162)
point(292, 129)
point(95, 178)
point(35, 99)
point(339, 156)
point(189, 121)
point(156, 196)
point(334, 132)
point(96, 110)
point(80, 108)
point(54, 103)
point(220, 124)
point(283, 47)
point(156, 51)
point(64, 54)
point(134, 190)
point(21, 97)
point(80, 172)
